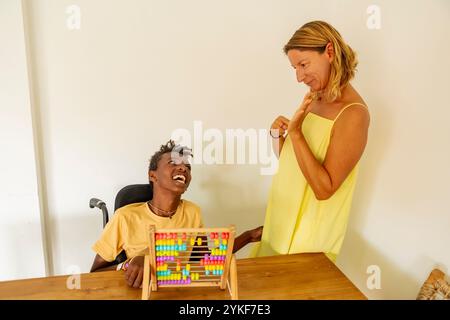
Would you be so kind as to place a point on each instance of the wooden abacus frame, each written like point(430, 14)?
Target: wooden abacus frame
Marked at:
point(227, 278)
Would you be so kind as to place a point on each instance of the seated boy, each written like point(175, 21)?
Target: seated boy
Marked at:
point(169, 174)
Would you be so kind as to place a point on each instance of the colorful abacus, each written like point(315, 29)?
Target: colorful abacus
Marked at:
point(172, 264)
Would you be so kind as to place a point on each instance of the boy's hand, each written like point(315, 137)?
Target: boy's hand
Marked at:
point(134, 272)
point(255, 234)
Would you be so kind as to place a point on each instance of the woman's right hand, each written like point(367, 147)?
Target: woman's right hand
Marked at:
point(279, 126)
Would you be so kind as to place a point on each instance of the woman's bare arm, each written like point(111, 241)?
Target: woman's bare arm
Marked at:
point(346, 147)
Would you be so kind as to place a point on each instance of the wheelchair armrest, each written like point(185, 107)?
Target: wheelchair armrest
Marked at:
point(97, 203)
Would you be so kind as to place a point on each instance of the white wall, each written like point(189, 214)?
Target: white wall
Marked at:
point(20, 228)
point(400, 219)
point(111, 92)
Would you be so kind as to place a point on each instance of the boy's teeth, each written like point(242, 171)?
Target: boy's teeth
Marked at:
point(179, 178)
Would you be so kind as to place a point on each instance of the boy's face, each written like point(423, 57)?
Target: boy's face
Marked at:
point(173, 174)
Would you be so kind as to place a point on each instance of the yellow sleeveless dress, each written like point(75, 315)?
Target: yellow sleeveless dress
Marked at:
point(296, 221)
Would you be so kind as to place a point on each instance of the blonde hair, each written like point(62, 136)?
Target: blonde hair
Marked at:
point(315, 36)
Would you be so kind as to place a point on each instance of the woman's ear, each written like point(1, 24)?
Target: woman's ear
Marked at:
point(329, 51)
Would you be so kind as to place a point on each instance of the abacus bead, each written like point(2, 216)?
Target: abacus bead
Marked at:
point(199, 241)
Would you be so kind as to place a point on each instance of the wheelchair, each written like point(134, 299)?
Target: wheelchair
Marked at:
point(127, 195)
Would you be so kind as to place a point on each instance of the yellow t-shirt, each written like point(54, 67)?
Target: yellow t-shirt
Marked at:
point(127, 229)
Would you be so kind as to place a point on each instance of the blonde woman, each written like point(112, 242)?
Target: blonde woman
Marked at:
point(319, 149)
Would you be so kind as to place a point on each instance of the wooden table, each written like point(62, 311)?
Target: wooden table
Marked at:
point(299, 276)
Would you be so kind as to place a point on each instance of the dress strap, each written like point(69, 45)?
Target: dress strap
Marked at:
point(349, 105)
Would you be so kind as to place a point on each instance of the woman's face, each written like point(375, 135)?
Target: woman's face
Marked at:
point(312, 67)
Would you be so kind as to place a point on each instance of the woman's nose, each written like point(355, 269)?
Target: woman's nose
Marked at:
point(300, 76)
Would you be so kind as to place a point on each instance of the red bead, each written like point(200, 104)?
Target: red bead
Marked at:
point(183, 236)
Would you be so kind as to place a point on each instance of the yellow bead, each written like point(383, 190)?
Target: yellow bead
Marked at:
point(216, 242)
point(178, 268)
point(176, 253)
point(172, 242)
point(199, 241)
point(224, 241)
point(188, 267)
point(192, 241)
point(180, 241)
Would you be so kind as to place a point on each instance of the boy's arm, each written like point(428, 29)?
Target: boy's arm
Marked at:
point(101, 264)
point(245, 238)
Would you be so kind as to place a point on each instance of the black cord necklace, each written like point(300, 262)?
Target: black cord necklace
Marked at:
point(165, 214)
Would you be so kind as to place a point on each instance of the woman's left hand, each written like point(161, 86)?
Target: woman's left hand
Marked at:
point(297, 120)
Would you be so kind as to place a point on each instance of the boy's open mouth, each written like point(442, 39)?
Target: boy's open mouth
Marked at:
point(179, 178)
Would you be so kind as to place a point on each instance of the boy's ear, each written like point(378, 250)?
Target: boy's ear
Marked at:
point(152, 176)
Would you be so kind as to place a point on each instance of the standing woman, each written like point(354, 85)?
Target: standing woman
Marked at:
point(319, 149)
